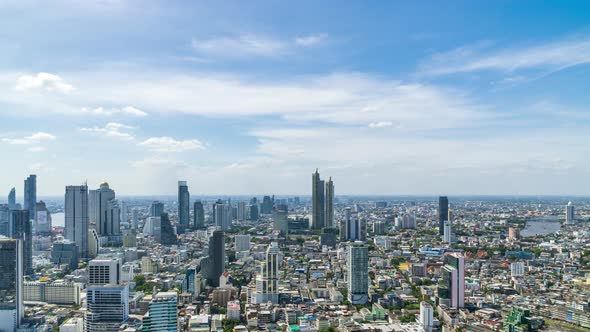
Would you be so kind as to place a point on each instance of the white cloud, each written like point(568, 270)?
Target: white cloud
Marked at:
point(550, 56)
point(36, 149)
point(127, 110)
point(45, 81)
point(36, 138)
point(111, 129)
point(380, 124)
point(240, 46)
point(311, 40)
point(169, 144)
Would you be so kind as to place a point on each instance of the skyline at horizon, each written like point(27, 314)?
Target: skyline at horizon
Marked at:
point(241, 99)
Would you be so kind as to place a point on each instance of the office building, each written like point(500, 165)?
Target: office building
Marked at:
point(253, 212)
point(405, 222)
point(12, 199)
point(222, 216)
point(161, 316)
point(104, 271)
point(74, 324)
point(112, 227)
point(329, 203)
point(30, 200)
point(358, 273)
point(451, 289)
point(198, 215)
point(76, 217)
point(183, 204)
point(135, 219)
point(318, 201)
point(267, 205)
point(379, 227)
point(213, 265)
point(11, 284)
point(20, 228)
point(426, 316)
point(242, 242)
point(107, 307)
point(233, 311)
point(63, 293)
point(65, 253)
point(5, 220)
point(189, 283)
point(280, 219)
point(447, 233)
point(156, 209)
point(43, 219)
point(93, 243)
point(513, 233)
point(353, 228)
point(98, 209)
point(517, 269)
point(241, 215)
point(167, 235)
point(443, 213)
point(267, 279)
point(570, 213)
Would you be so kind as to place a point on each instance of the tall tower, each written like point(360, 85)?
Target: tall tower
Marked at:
point(267, 281)
point(199, 215)
point(11, 284)
point(353, 228)
point(358, 273)
point(183, 204)
point(156, 209)
point(447, 232)
point(162, 315)
point(30, 202)
point(107, 307)
point(213, 265)
point(443, 213)
point(329, 203)
point(318, 201)
point(98, 209)
point(452, 286)
point(12, 199)
point(570, 213)
point(222, 216)
point(20, 228)
point(76, 217)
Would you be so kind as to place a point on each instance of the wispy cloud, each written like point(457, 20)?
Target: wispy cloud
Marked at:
point(169, 144)
point(112, 130)
point(43, 81)
point(551, 56)
point(127, 110)
point(380, 124)
point(311, 40)
point(239, 46)
point(35, 138)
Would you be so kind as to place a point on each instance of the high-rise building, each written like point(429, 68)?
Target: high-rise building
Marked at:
point(199, 215)
point(570, 213)
point(318, 201)
point(107, 307)
point(513, 233)
point(167, 235)
point(113, 220)
point(426, 316)
point(74, 324)
point(76, 217)
point(451, 289)
point(352, 227)
point(12, 199)
point(329, 203)
point(20, 228)
point(358, 273)
point(406, 221)
point(222, 216)
point(30, 202)
point(213, 265)
point(443, 213)
point(162, 316)
point(11, 284)
point(242, 242)
point(517, 269)
point(267, 205)
point(254, 215)
point(104, 271)
point(93, 241)
point(183, 204)
point(98, 209)
point(5, 220)
point(379, 227)
point(189, 283)
point(43, 219)
point(135, 219)
point(241, 211)
point(447, 232)
point(65, 253)
point(267, 280)
point(280, 218)
point(156, 209)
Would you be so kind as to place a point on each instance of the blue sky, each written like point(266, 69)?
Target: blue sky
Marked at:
point(249, 98)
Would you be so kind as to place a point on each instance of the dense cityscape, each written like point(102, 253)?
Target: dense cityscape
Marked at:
point(94, 261)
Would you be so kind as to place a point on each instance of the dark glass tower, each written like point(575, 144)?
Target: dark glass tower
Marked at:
point(167, 232)
point(443, 213)
point(30, 202)
point(318, 201)
point(213, 265)
point(20, 225)
point(11, 282)
point(183, 204)
point(199, 215)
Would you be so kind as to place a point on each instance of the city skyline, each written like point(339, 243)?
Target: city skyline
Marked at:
point(409, 100)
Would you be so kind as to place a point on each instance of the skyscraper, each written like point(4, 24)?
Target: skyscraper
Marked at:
point(451, 289)
point(107, 307)
point(12, 199)
point(329, 203)
point(352, 227)
point(112, 225)
point(21, 229)
point(167, 235)
point(11, 284)
point(156, 209)
point(104, 271)
point(162, 316)
point(443, 213)
point(222, 216)
point(318, 201)
point(241, 211)
point(183, 204)
point(358, 273)
point(426, 316)
point(198, 215)
point(43, 219)
point(213, 265)
point(447, 232)
point(76, 217)
point(267, 280)
point(570, 213)
point(98, 209)
point(266, 205)
point(280, 218)
point(30, 202)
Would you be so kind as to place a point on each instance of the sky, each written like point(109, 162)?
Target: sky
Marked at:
point(386, 97)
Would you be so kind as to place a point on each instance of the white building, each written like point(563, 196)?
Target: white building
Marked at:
point(517, 269)
point(570, 213)
point(447, 233)
point(267, 280)
point(104, 271)
point(74, 324)
point(52, 292)
point(107, 307)
point(242, 242)
point(233, 310)
point(426, 316)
